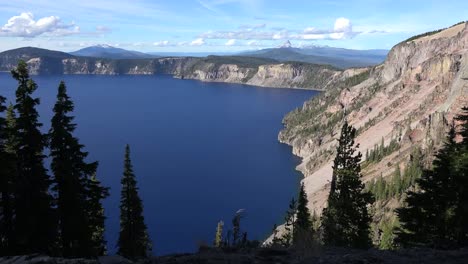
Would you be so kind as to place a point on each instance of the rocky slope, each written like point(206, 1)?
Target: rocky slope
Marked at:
point(411, 98)
point(231, 69)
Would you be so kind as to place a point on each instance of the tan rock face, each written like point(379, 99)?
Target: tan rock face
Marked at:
point(284, 75)
point(413, 95)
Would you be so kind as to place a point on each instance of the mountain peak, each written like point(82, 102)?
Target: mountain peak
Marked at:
point(104, 46)
point(286, 45)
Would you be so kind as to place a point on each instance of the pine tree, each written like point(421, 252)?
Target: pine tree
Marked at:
point(428, 219)
point(96, 217)
point(35, 224)
point(461, 182)
point(236, 230)
point(218, 242)
point(133, 238)
point(8, 176)
point(396, 181)
point(303, 229)
point(6, 191)
point(290, 220)
point(276, 241)
point(346, 220)
point(72, 176)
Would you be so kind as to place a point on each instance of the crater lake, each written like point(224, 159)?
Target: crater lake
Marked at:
point(201, 151)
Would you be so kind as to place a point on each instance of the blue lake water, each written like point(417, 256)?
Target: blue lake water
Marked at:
point(200, 151)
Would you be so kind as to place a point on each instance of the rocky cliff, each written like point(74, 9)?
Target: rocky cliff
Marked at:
point(410, 99)
point(231, 69)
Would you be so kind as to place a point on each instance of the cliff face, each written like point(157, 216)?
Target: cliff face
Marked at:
point(411, 98)
point(245, 70)
point(289, 75)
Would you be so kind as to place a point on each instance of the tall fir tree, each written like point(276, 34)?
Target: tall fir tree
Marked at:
point(35, 223)
point(461, 182)
point(236, 229)
point(346, 220)
point(429, 217)
point(96, 217)
point(9, 167)
point(6, 190)
point(303, 229)
point(290, 220)
point(133, 241)
point(72, 176)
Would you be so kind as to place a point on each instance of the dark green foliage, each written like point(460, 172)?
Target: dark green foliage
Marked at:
point(95, 214)
point(357, 79)
point(31, 220)
point(236, 230)
point(346, 220)
point(290, 220)
point(380, 151)
point(7, 166)
point(398, 184)
point(387, 238)
point(436, 212)
point(276, 241)
point(75, 183)
point(303, 229)
point(426, 218)
point(35, 220)
point(133, 241)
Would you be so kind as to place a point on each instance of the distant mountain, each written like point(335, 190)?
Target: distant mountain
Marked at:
point(26, 53)
point(109, 52)
point(286, 44)
point(337, 57)
point(50, 61)
point(190, 54)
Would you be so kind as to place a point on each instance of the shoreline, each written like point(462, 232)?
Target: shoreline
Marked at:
point(183, 78)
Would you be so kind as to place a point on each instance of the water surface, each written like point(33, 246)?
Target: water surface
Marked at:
point(200, 151)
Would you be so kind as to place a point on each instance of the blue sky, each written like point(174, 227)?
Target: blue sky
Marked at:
point(220, 25)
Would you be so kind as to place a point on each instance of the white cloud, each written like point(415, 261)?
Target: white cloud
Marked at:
point(230, 42)
point(163, 43)
point(342, 25)
point(342, 30)
point(253, 43)
point(25, 26)
point(198, 42)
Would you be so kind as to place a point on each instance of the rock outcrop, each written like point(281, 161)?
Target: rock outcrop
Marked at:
point(230, 69)
point(412, 98)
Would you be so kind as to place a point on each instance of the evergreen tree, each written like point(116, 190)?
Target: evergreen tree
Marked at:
point(35, 224)
point(428, 219)
point(461, 183)
point(388, 236)
point(346, 220)
point(72, 176)
point(236, 230)
point(303, 226)
point(133, 241)
point(218, 242)
point(96, 217)
point(276, 241)
point(396, 181)
point(289, 224)
point(6, 190)
point(8, 176)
